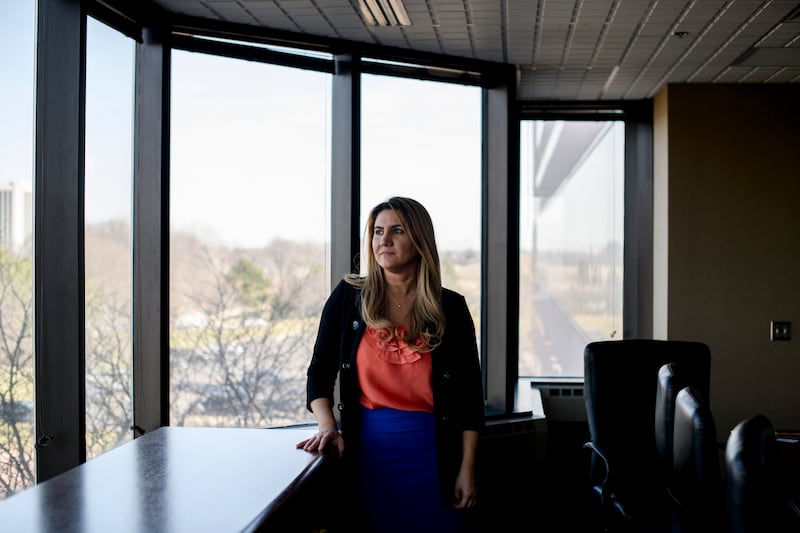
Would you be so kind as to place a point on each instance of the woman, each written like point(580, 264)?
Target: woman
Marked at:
point(411, 391)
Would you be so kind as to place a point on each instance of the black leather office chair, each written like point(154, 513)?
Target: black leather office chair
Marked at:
point(671, 379)
point(620, 378)
point(754, 494)
point(697, 483)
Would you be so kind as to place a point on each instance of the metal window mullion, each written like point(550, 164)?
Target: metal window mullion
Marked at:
point(58, 257)
point(151, 235)
point(345, 165)
point(499, 284)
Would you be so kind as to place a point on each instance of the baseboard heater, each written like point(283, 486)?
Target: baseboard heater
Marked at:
point(562, 402)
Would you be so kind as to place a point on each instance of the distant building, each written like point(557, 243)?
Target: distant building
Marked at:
point(16, 214)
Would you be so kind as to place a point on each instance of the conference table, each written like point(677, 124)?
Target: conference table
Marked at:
point(172, 479)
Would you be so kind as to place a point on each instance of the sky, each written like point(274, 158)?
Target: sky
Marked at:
point(262, 133)
point(16, 89)
point(251, 142)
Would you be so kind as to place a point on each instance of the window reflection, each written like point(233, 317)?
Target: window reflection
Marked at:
point(571, 242)
point(249, 238)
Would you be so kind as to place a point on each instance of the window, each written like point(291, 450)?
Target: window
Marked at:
point(108, 256)
point(250, 222)
point(422, 139)
point(17, 40)
point(249, 238)
point(571, 242)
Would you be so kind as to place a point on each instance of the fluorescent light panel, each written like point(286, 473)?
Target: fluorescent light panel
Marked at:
point(384, 12)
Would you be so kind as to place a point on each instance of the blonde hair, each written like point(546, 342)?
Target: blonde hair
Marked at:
point(427, 318)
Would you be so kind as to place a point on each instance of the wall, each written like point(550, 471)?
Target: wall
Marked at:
point(727, 178)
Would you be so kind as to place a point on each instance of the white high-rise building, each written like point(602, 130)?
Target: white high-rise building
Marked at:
point(16, 214)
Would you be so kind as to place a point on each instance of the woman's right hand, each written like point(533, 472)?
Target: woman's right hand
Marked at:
point(321, 439)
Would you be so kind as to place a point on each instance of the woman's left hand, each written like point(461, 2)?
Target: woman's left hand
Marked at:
point(321, 439)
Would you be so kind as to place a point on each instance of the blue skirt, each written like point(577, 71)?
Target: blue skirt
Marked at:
point(398, 476)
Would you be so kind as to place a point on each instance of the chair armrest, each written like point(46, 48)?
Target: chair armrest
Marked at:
point(599, 452)
point(607, 498)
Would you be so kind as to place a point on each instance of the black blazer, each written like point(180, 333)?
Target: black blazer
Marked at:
point(456, 376)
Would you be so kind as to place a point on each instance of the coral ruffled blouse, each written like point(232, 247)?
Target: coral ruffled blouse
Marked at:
point(392, 375)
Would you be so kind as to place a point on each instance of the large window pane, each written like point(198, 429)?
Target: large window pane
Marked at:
point(571, 212)
point(422, 139)
point(109, 113)
point(249, 239)
point(17, 39)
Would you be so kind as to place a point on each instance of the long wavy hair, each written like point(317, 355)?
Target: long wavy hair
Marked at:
point(427, 320)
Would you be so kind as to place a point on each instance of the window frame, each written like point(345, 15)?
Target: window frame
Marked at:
point(637, 287)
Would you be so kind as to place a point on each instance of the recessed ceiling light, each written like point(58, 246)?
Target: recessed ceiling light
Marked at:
point(384, 12)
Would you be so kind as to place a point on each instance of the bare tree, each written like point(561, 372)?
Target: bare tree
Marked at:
point(109, 404)
point(108, 325)
point(16, 373)
point(242, 363)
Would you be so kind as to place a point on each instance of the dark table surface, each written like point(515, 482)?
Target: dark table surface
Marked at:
point(173, 479)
